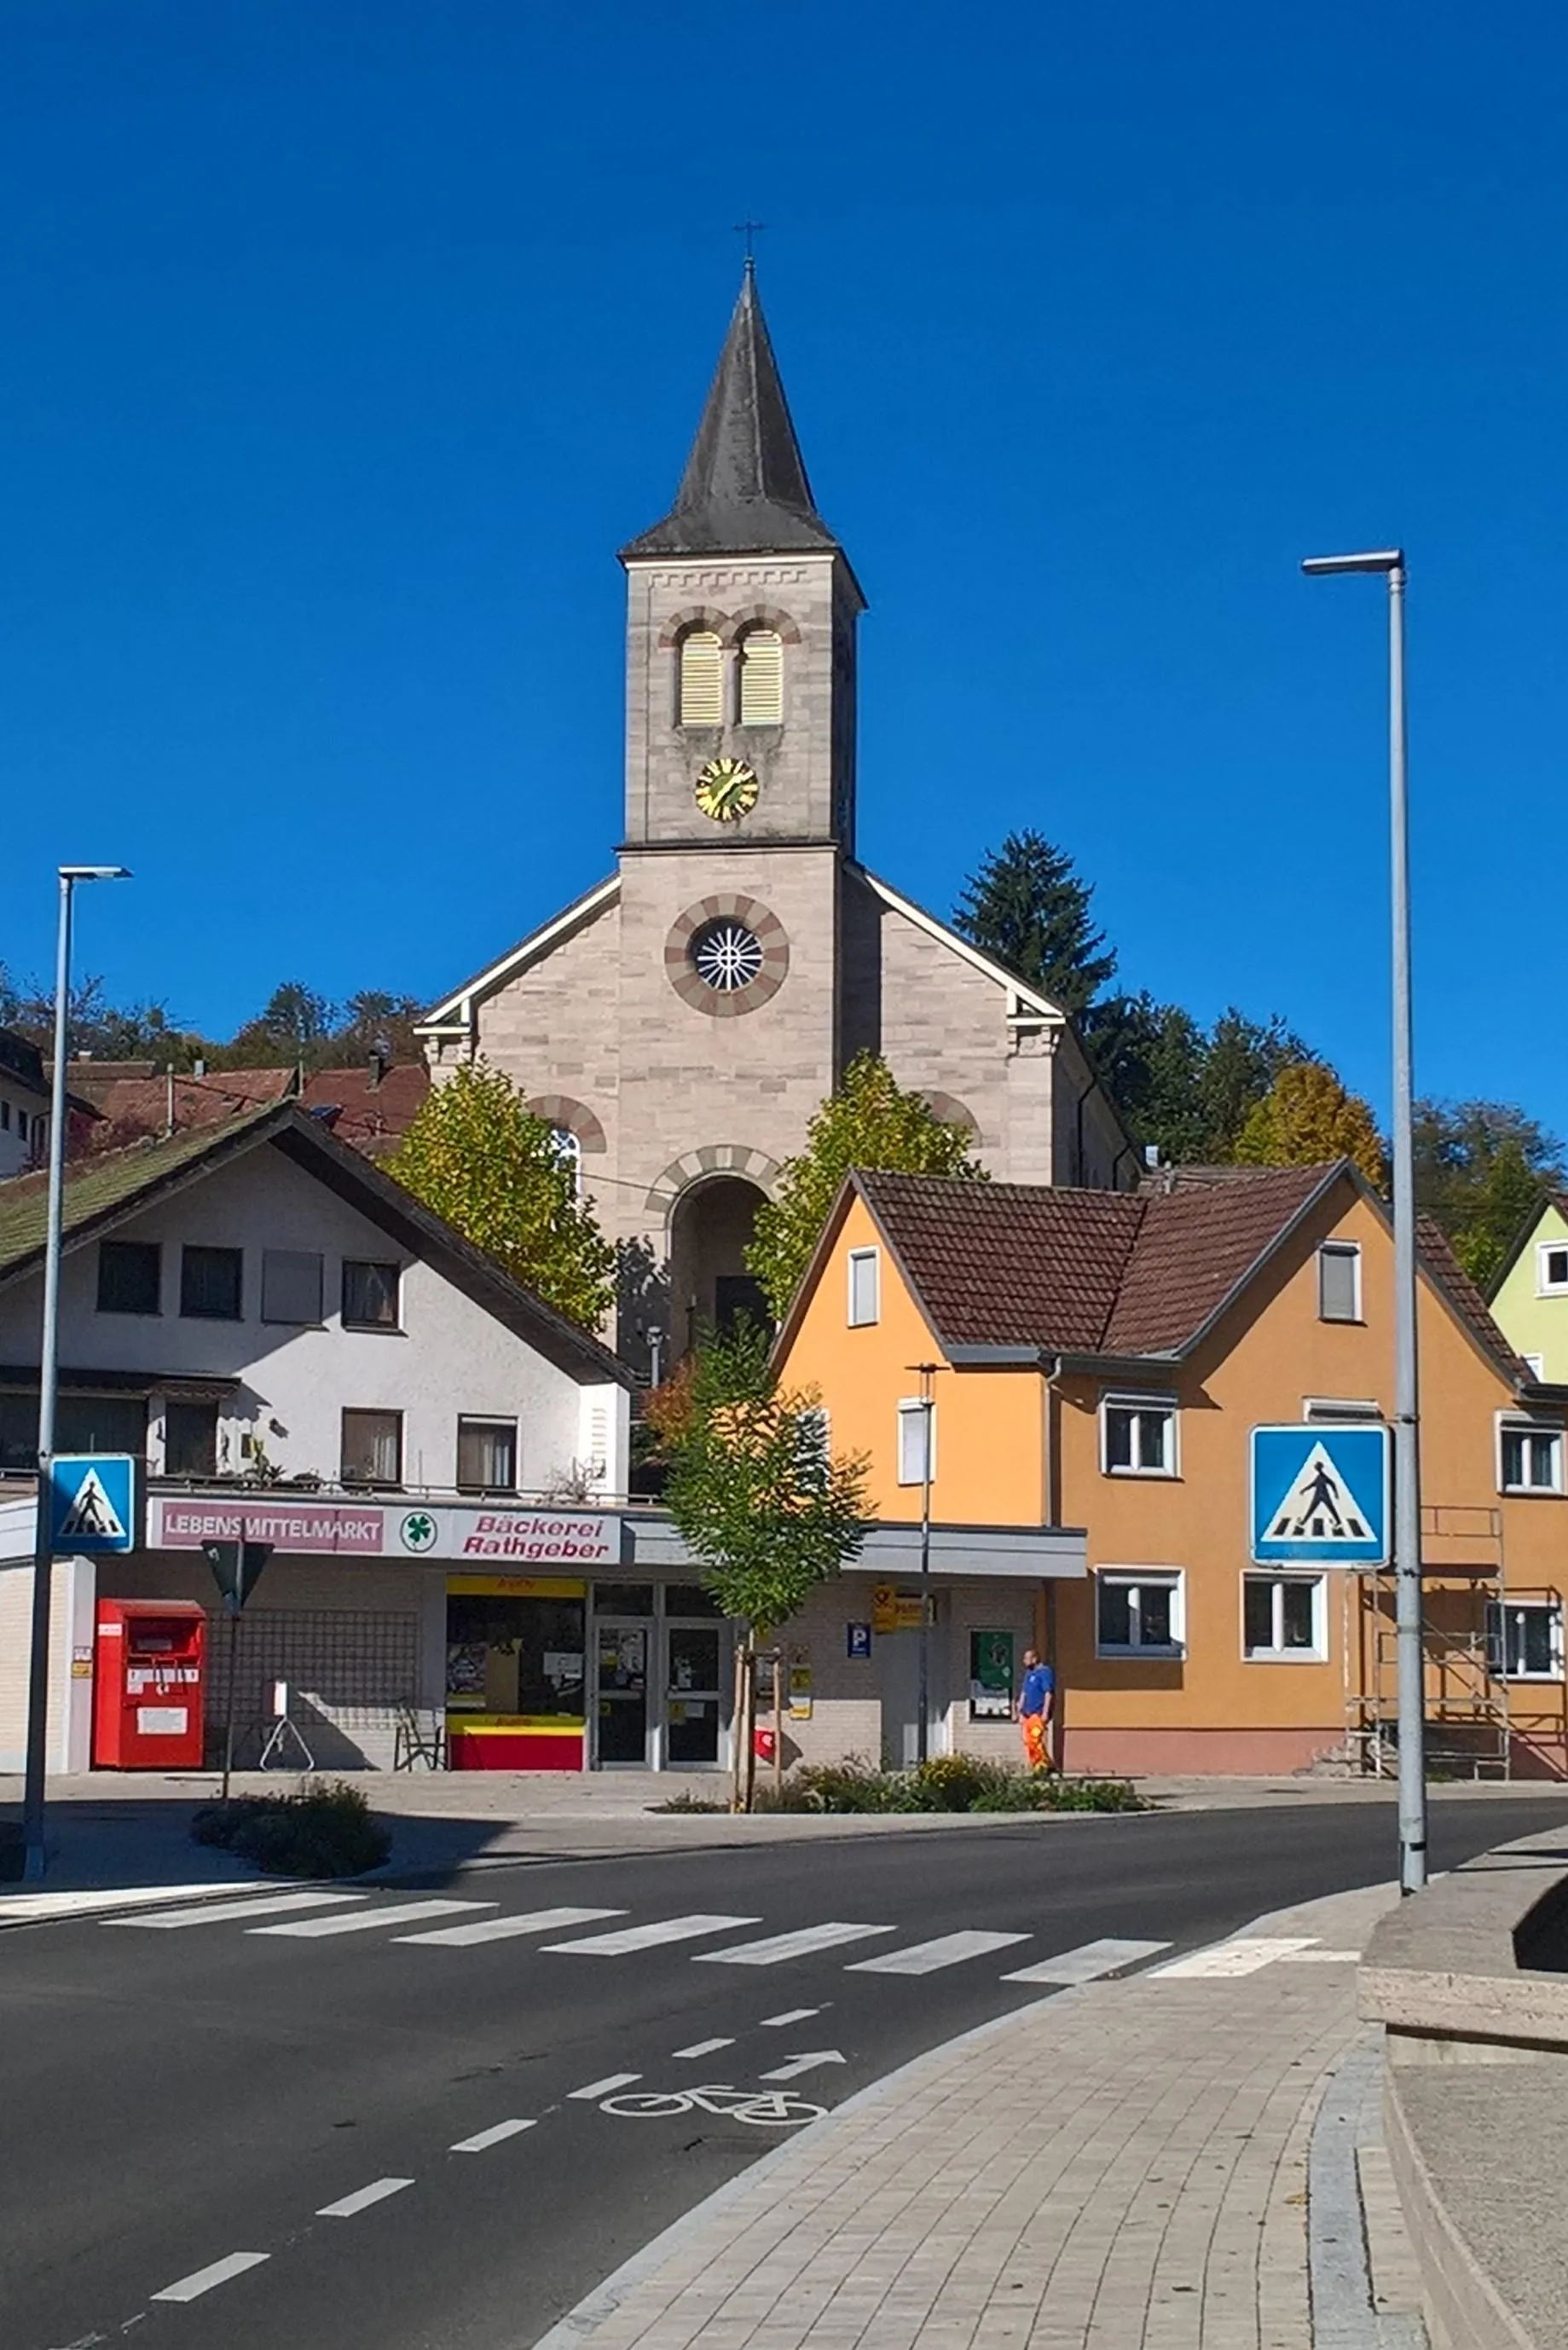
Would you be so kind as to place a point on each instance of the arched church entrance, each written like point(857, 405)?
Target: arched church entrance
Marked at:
point(710, 1231)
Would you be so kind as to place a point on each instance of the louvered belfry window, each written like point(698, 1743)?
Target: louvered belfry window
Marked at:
point(701, 679)
point(762, 678)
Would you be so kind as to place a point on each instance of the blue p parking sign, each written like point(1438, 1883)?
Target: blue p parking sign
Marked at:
point(1319, 1494)
point(95, 1501)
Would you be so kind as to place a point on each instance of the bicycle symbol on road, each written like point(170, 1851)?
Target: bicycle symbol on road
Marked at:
point(766, 2108)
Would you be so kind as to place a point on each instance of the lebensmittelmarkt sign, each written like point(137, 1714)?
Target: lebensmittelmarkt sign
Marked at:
point(387, 1528)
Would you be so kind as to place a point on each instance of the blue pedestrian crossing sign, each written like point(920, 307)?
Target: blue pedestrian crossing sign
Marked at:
point(95, 1501)
point(1319, 1494)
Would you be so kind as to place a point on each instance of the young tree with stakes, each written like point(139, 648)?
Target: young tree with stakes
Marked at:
point(761, 1502)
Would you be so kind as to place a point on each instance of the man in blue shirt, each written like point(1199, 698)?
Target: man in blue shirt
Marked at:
point(1035, 1710)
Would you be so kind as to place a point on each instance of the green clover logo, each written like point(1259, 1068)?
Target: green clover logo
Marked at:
point(419, 1531)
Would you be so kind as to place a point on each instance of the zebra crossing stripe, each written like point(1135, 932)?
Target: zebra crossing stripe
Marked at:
point(1247, 1954)
point(1090, 1962)
point(367, 1921)
point(801, 1944)
point(929, 1957)
point(222, 1913)
point(501, 1930)
point(648, 1938)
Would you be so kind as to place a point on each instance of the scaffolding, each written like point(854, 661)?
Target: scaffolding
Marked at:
point(1468, 1704)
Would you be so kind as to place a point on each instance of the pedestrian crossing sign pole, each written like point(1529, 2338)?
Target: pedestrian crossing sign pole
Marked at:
point(1320, 1496)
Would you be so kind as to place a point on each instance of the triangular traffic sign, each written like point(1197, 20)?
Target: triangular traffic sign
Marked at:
point(91, 1514)
point(1318, 1506)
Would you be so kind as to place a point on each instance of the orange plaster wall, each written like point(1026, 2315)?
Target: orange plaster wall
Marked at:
point(1213, 1706)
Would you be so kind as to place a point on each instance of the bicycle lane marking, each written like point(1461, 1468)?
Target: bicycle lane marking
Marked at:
point(763, 2107)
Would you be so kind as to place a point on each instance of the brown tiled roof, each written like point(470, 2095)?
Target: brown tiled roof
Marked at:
point(1080, 1271)
point(135, 1105)
point(1444, 1268)
point(370, 1118)
point(1193, 1248)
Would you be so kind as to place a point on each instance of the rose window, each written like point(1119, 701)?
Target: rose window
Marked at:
point(726, 955)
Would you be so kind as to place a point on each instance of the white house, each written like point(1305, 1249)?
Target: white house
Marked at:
point(301, 1353)
point(24, 1104)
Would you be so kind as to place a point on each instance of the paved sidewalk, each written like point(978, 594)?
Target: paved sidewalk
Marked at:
point(1120, 2168)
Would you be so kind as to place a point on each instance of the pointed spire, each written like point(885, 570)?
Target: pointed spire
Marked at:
point(744, 490)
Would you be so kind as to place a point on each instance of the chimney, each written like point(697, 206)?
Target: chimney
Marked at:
point(381, 1061)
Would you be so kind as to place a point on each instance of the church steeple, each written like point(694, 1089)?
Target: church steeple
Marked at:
point(744, 490)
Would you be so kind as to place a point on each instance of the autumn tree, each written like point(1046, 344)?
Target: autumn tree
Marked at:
point(1027, 907)
point(478, 1156)
point(762, 1503)
point(869, 1122)
point(1307, 1119)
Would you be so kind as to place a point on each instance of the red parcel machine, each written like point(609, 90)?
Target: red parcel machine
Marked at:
point(149, 1685)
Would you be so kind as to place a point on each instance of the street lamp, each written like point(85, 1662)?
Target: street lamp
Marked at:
point(48, 1383)
point(1390, 562)
point(928, 1407)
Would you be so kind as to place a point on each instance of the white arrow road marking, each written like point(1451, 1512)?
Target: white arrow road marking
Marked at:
point(1243, 1956)
point(220, 1913)
point(348, 2207)
point(499, 1929)
point(602, 2088)
point(704, 2047)
point(929, 1958)
point(1090, 1962)
point(648, 1938)
point(482, 2140)
point(201, 2281)
point(790, 2015)
point(365, 1922)
point(809, 2062)
point(776, 1947)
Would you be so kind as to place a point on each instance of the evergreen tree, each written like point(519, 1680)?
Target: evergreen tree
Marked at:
point(1481, 1168)
point(480, 1158)
point(1027, 908)
point(869, 1122)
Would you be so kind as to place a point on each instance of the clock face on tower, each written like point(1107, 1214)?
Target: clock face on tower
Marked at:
point(726, 790)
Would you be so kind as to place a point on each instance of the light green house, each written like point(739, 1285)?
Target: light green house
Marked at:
point(1530, 1297)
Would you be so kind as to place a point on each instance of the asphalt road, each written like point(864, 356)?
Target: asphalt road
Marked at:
point(175, 2096)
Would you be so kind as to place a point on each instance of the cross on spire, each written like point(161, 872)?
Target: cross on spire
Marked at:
point(749, 229)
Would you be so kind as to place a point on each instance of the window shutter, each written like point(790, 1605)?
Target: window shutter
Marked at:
point(701, 679)
point(762, 678)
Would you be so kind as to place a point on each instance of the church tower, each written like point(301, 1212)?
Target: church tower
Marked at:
point(740, 810)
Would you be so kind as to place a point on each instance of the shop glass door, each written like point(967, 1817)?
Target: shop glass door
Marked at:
point(694, 1703)
point(622, 1651)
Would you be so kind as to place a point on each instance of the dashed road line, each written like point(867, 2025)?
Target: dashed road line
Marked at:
point(929, 1957)
point(482, 2140)
point(704, 2048)
point(1090, 1962)
point(790, 2015)
point(648, 1938)
point(602, 2088)
point(348, 2207)
point(501, 1930)
point(802, 1943)
point(201, 2281)
point(367, 1921)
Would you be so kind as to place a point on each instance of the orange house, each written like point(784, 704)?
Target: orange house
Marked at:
point(1099, 1361)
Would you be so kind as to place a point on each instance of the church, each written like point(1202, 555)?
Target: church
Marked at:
point(680, 1022)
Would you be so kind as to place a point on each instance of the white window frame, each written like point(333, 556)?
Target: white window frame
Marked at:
point(911, 1408)
point(861, 1256)
point(1351, 1249)
point(1165, 1404)
point(1520, 1424)
point(1535, 1365)
point(1544, 1284)
point(1497, 1612)
point(1277, 1653)
point(1342, 1411)
point(1165, 1578)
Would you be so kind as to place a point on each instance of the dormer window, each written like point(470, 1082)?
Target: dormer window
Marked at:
point(701, 679)
point(762, 678)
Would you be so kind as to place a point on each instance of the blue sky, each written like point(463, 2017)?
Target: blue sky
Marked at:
point(347, 340)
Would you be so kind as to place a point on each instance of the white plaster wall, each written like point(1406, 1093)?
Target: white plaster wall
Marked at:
point(450, 1357)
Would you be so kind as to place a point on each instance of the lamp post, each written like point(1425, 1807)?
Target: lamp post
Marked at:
point(48, 1383)
point(1390, 562)
point(928, 1376)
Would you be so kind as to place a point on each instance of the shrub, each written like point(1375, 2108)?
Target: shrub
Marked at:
point(947, 1783)
point(322, 1831)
